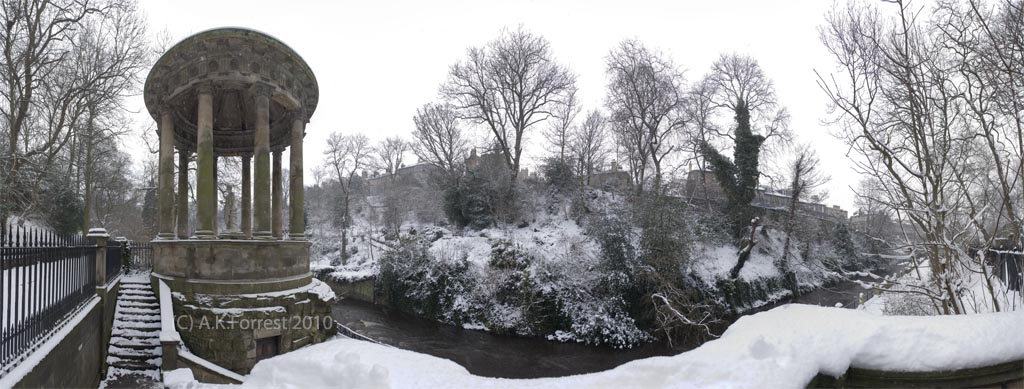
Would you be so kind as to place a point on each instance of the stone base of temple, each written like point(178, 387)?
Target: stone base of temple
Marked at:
point(237, 330)
point(230, 266)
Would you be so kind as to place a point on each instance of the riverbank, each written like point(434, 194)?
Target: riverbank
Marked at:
point(486, 354)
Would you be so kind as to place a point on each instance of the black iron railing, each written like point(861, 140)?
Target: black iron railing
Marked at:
point(45, 278)
point(114, 251)
point(1008, 266)
point(141, 254)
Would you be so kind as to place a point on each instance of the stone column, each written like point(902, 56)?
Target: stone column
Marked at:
point(216, 195)
point(165, 185)
point(261, 156)
point(183, 156)
point(296, 191)
point(247, 196)
point(206, 192)
point(275, 201)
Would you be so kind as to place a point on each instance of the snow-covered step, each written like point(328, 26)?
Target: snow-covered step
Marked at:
point(141, 325)
point(135, 292)
point(138, 304)
point(136, 379)
point(133, 364)
point(137, 298)
point(143, 311)
point(134, 353)
point(133, 342)
point(142, 318)
point(149, 352)
point(135, 333)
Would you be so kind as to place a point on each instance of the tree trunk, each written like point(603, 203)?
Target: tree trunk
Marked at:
point(748, 246)
point(89, 141)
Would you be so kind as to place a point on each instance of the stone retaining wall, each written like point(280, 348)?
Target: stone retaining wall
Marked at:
point(75, 361)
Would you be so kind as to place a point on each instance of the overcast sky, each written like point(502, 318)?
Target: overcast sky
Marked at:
point(377, 61)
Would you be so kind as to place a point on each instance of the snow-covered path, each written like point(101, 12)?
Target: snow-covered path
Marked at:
point(133, 357)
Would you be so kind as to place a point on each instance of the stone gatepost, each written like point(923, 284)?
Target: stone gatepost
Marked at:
point(106, 291)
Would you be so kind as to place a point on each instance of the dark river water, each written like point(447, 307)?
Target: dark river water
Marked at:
point(483, 353)
point(490, 355)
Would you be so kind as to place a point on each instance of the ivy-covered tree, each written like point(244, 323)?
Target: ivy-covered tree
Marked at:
point(738, 177)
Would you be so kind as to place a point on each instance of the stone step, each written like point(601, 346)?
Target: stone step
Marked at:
point(129, 364)
point(155, 316)
point(133, 352)
point(132, 342)
point(138, 311)
point(137, 298)
point(138, 304)
point(147, 359)
point(153, 307)
point(135, 285)
point(136, 333)
point(139, 325)
point(134, 345)
point(135, 292)
point(118, 378)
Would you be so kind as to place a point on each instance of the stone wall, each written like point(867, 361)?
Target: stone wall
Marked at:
point(362, 290)
point(75, 362)
point(109, 306)
point(224, 329)
point(225, 259)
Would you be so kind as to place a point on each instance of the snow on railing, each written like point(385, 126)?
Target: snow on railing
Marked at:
point(167, 331)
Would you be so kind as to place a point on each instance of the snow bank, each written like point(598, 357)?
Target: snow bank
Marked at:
point(781, 348)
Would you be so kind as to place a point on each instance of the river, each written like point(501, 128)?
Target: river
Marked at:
point(490, 355)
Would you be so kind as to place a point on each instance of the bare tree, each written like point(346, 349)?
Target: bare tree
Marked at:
point(805, 176)
point(439, 140)
point(509, 86)
point(559, 133)
point(701, 110)
point(737, 78)
point(111, 51)
point(61, 59)
point(645, 100)
point(922, 100)
point(390, 153)
point(588, 145)
point(346, 156)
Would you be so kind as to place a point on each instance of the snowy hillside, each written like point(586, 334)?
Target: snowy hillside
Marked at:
point(550, 275)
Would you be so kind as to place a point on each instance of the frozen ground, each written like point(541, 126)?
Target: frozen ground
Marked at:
point(781, 348)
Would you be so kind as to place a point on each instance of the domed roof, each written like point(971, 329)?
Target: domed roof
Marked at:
point(231, 61)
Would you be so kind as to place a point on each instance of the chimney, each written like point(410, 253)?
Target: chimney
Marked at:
point(615, 166)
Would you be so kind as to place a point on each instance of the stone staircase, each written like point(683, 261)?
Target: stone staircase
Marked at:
point(133, 358)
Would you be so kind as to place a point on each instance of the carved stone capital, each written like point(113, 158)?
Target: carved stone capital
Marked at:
point(204, 88)
point(262, 89)
point(300, 114)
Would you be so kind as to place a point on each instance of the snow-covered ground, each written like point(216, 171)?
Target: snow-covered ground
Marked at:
point(781, 348)
point(905, 293)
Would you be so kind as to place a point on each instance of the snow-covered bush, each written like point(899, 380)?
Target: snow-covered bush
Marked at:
point(471, 201)
point(413, 280)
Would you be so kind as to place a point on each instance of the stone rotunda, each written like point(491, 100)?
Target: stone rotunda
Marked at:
point(234, 92)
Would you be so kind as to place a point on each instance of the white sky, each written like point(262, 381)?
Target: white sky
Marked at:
point(377, 61)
